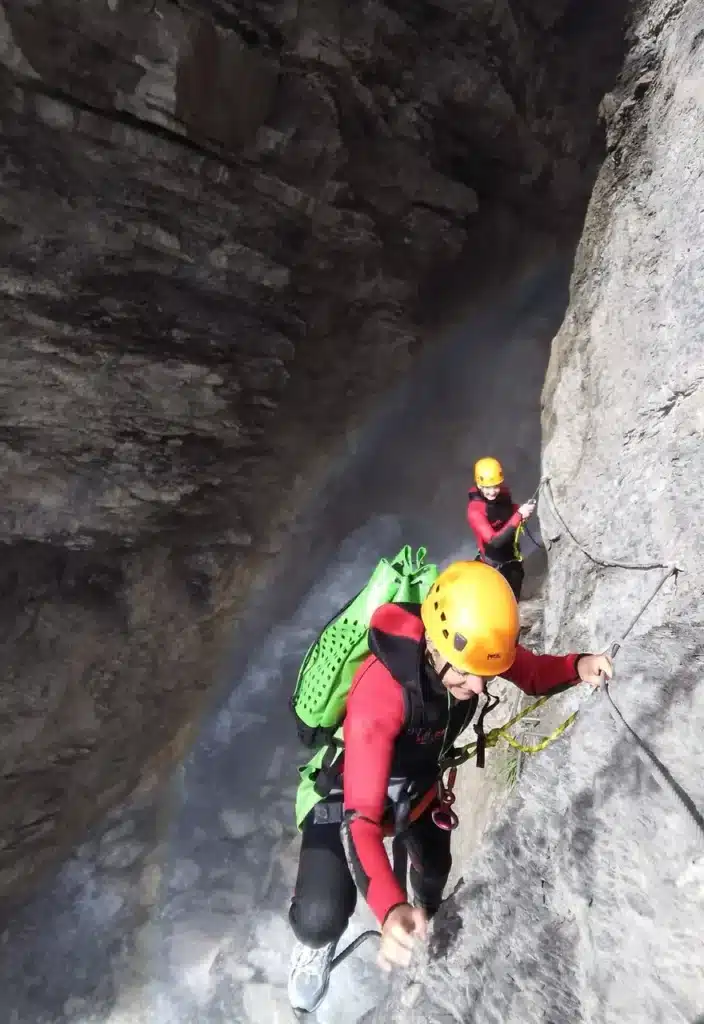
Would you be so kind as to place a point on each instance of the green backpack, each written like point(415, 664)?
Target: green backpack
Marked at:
point(327, 671)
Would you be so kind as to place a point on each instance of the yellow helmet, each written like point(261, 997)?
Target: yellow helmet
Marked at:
point(471, 616)
point(488, 473)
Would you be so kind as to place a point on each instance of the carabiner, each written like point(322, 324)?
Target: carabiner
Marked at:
point(443, 816)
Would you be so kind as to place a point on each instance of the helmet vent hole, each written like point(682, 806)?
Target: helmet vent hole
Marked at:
point(446, 634)
point(443, 617)
point(436, 606)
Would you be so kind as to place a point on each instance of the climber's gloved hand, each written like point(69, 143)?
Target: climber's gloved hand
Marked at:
point(591, 668)
point(526, 509)
point(401, 930)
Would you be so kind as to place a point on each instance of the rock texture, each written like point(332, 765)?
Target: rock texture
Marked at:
point(214, 221)
point(587, 903)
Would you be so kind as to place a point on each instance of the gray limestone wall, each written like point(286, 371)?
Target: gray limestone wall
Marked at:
point(585, 903)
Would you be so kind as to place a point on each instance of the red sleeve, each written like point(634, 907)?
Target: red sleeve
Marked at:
point(373, 719)
point(538, 674)
point(478, 522)
point(482, 528)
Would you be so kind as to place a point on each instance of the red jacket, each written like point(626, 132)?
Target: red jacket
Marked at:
point(380, 751)
point(494, 525)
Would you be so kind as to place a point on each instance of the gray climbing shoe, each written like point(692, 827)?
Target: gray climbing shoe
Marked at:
point(309, 975)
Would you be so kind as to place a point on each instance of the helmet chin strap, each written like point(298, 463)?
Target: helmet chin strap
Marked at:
point(444, 670)
point(440, 673)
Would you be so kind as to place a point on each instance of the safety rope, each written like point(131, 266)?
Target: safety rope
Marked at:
point(546, 486)
point(355, 944)
point(653, 761)
point(524, 525)
point(462, 754)
point(537, 543)
point(618, 717)
point(670, 572)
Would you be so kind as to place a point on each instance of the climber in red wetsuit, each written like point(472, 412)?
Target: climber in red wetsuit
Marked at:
point(428, 665)
point(496, 522)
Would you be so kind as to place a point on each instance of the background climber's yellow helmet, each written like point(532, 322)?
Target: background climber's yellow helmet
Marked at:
point(471, 616)
point(488, 473)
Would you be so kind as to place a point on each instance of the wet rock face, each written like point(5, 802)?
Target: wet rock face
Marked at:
point(586, 902)
point(214, 219)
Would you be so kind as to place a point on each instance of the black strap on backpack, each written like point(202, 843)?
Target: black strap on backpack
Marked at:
point(328, 775)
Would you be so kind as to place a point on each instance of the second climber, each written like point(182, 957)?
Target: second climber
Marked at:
point(497, 523)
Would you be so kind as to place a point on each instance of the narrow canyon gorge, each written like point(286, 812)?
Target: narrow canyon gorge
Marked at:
point(273, 275)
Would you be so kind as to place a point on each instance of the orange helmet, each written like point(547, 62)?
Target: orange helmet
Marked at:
point(488, 473)
point(471, 616)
